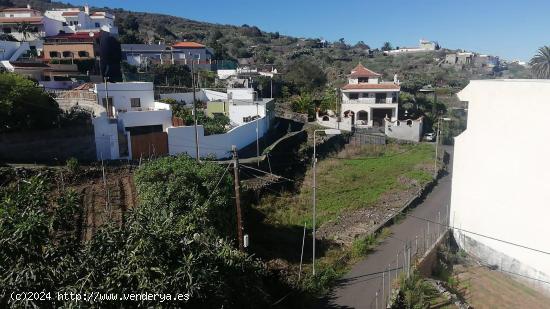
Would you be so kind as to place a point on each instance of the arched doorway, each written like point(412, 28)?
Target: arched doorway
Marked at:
point(350, 114)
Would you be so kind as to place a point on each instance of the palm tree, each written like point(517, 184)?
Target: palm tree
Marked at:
point(540, 63)
point(25, 29)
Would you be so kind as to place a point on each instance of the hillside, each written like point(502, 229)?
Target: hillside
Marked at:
point(247, 41)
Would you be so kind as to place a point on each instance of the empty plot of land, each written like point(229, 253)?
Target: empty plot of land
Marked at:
point(485, 288)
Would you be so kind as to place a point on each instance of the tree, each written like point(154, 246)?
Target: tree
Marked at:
point(25, 29)
point(168, 74)
point(303, 104)
point(24, 106)
point(305, 76)
point(540, 63)
point(361, 45)
point(328, 102)
point(387, 46)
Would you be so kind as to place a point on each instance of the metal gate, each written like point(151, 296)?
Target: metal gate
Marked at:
point(149, 145)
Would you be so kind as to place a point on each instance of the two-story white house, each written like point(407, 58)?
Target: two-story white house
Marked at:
point(367, 100)
point(133, 125)
point(73, 20)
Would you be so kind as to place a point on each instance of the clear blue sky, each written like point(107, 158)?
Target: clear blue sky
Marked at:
point(507, 28)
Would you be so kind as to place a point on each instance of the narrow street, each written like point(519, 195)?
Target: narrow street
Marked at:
point(359, 287)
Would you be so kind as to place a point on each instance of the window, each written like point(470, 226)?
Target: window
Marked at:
point(54, 54)
point(97, 25)
point(6, 30)
point(68, 54)
point(362, 115)
point(354, 96)
point(83, 54)
point(135, 102)
point(363, 80)
point(64, 24)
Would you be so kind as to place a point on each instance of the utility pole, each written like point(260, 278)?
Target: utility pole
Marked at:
point(436, 145)
point(257, 134)
point(109, 112)
point(238, 197)
point(195, 111)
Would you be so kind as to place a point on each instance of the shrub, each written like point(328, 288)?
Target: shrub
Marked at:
point(73, 165)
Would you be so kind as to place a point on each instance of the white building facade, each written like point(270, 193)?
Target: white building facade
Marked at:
point(367, 101)
point(501, 173)
point(130, 111)
point(72, 20)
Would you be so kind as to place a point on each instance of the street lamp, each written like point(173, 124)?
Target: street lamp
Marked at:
point(327, 132)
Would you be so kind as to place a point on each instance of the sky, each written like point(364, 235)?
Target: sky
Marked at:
point(510, 29)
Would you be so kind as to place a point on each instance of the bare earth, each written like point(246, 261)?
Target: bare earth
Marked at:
point(485, 288)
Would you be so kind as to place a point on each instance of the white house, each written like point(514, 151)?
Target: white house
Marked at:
point(501, 186)
point(132, 119)
point(367, 100)
point(134, 126)
point(423, 46)
point(250, 118)
point(72, 20)
point(27, 25)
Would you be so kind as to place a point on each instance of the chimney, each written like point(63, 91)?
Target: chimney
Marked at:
point(87, 9)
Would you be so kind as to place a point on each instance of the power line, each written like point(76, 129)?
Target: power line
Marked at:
point(478, 234)
point(216, 187)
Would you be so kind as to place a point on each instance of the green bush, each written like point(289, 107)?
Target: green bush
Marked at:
point(73, 165)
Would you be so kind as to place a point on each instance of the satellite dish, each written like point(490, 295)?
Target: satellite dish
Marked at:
point(91, 34)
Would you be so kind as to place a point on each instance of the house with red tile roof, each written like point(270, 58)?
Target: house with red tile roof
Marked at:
point(183, 53)
point(26, 24)
point(187, 52)
point(366, 100)
point(73, 20)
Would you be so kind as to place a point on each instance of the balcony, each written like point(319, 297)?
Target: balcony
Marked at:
point(369, 101)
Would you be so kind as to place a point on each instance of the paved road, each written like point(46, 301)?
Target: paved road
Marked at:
point(358, 288)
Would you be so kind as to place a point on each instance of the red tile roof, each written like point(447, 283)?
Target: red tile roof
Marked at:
point(187, 45)
point(14, 20)
point(18, 10)
point(71, 13)
point(361, 71)
point(391, 86)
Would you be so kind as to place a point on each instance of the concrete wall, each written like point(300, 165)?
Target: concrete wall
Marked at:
point(501, 173)
point(201, 95)
point(148, 118)
point(407, 129)
point(48, 146)
point(106, 138)
point(331, 122)
point(182, 139)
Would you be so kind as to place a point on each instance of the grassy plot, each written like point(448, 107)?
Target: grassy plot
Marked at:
point(355, 178)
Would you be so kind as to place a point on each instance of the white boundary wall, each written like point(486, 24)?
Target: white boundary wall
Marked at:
point(182, 139)
point(501, 175)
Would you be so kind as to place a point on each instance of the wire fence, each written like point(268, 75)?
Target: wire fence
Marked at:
point(414, 250)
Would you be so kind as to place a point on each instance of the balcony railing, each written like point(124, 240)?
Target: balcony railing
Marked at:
point(370, 101)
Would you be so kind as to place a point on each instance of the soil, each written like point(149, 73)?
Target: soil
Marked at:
point(353, 224)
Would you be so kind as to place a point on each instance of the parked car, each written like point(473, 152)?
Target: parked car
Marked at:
point(429, 137)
